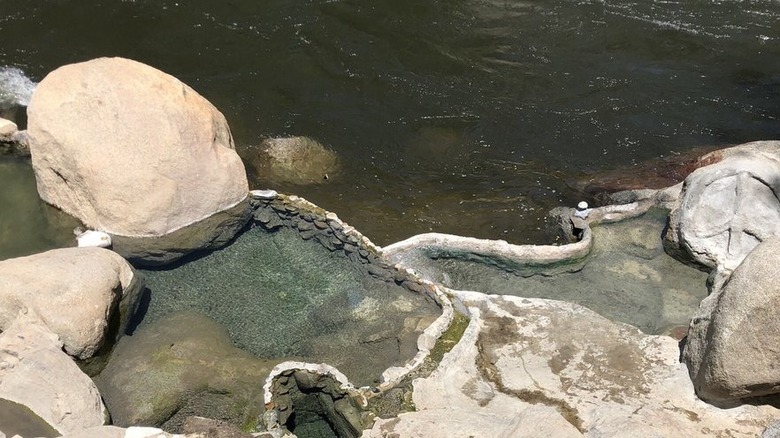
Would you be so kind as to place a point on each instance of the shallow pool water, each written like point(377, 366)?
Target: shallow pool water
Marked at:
point(627, 277)
point(282, 296)
point(27, 224)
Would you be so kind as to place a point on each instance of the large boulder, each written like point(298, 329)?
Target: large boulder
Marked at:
point(538, 368)
point(732, 348)
point(36, 373)
point(181, 366)
point(727, 208)
point(76, 292)
point(134, 152)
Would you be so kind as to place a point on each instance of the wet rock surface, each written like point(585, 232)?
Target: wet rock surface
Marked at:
point(16, 419)
point(311, 404)
point(12, 141)
point(183, 365)
point(652, 174)
point(28, 225)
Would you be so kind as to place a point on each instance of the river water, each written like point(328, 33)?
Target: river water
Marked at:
point(463, 116)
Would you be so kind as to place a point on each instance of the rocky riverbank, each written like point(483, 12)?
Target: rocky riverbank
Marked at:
point(510, 365)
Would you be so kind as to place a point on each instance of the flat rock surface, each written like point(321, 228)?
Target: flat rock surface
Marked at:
point(533, 367)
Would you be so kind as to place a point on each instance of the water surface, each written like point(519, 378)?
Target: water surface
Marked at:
point(627, 277)
point(280, 296)
point(459, 116)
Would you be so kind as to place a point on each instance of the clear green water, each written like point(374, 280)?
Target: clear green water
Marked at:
point(280, 296)
point(460, 116)
point(16, 419)
point(27, 224)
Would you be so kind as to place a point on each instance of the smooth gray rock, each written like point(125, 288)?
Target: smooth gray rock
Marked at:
point(727, 208)
point(732, 349)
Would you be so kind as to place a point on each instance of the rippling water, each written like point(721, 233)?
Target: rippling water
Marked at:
point(462, 116)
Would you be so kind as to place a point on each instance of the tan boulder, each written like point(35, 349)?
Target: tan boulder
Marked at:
point(36, 373)
point(732, 346)
point(75, 291)
point(134, 152)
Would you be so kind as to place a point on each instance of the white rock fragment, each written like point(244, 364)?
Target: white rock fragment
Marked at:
point(91, 238)
point(263, 194)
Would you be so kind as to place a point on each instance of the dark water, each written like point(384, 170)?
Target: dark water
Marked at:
point(461, 116)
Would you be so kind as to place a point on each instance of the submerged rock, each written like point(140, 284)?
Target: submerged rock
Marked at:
point(297, 160)
point(183, 365)
point(19, 420)
point(77, 292)
point(732, 343)
point(134, 152)
point(624, 275)
point(27, 224)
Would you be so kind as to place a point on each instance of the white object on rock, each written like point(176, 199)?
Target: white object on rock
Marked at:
point(93, 238)
point(582, 210)
point(263, 194)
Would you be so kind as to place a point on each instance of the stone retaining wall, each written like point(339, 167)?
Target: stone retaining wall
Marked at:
point(273, 211)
